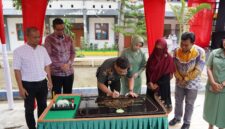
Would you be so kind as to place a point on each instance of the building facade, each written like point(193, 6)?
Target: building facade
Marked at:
point(92, 20)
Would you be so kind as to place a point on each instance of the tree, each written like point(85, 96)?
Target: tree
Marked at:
point(185, 14)
point(68, 29)
point(17, 4)
point(131, 19)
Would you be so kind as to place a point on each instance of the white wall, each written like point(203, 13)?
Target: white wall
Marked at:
point(13, 40)
point(173, 23)
point(72, 20)
point(14, 43)
point(100, 4)
point(101, 43)
point(66, 4)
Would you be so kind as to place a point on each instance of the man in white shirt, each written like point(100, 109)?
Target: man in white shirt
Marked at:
point(174, 40)
point(31, 64)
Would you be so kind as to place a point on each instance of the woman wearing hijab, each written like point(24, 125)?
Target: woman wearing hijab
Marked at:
point(137, 60)
point(214, 106)
point(159, 71)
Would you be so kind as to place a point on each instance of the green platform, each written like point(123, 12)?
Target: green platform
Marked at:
point(64, 114)
point(66, 120)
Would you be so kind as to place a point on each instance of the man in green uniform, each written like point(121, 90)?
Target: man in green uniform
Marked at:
point(109, 74)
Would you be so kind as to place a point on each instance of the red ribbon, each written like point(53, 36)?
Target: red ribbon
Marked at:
point(201, 25)
point(154, 16)
point(2, 30)
point(33, 14)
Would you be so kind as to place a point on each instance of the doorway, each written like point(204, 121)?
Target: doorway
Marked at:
point(78, 30)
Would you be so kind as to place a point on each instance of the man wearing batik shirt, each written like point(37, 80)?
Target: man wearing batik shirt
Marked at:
point(189, 60)
point(61, 51)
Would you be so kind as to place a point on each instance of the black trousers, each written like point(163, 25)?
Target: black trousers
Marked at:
point(39, 91)
point(115, 85)
point(163, 91)
point(60, 82)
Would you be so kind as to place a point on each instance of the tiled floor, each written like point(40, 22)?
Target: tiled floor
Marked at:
point(197, 121)
point(15, 118)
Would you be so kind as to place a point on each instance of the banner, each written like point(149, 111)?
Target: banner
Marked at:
point(2, 30)
point(220, 19)
point(33, 14)
point(201, 25)
point(154, 16)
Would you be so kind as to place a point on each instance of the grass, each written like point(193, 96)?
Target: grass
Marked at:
point(96, 53)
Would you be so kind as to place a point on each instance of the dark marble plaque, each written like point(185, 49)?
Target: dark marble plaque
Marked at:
point(93, 107)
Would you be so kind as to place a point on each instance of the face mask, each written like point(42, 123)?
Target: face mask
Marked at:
point(159, 51)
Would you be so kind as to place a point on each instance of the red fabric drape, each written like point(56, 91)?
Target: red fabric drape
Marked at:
point(154, 17)
point(2, 31)
point(34, 14)
point(201, 25)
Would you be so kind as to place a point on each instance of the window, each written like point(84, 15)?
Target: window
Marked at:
point(101, 31)
point(19, 31)
point(167, 29)
point(177, 29)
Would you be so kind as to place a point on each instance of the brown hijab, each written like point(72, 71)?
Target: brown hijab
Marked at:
point(159, 63)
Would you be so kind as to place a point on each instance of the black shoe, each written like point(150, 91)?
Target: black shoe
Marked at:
point(174, 121)
point(185, 126)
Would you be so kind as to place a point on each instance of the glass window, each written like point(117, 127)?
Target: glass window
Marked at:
point(177, 29)
point(167, 30)
point(101, 31)
point(19, 31)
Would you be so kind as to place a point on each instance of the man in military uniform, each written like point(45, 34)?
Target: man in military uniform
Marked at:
point(109, 74)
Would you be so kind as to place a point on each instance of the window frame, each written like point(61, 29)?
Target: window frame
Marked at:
point(100, 28)
point(19, 32)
